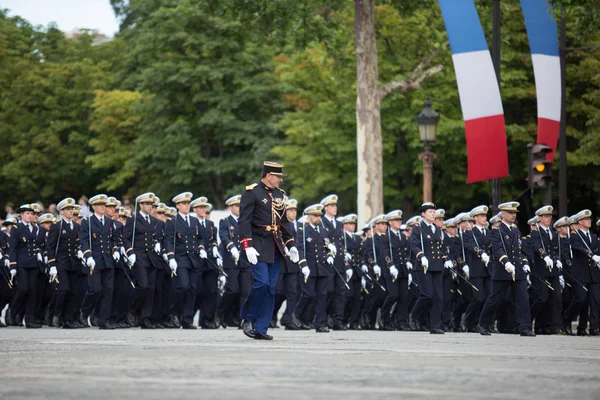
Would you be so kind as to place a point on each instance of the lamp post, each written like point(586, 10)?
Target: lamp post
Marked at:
point(427, 121)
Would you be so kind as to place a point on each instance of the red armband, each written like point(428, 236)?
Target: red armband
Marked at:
point(245, 244)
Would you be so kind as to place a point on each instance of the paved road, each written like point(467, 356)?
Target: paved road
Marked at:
point(172, 364)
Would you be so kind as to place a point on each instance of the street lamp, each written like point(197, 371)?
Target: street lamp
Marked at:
point(427, 121)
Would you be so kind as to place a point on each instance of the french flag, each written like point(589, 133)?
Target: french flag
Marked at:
point(543, 42)
point(478, 90)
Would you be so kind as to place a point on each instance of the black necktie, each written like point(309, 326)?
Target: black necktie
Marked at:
point(317, 228)
point(71, 225)
point(30, 228)
point(102, 221)
point(589, 237)
point(187, 221)
point(148, 219)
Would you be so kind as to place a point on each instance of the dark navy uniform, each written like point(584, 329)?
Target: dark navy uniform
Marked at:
point(354, 297)
point(104, 243)
point(287, 285)
point(380, 256)
point(397, 289)
point(206, 284)
point(5, 289)
point(313, 252)
point(263, 226)
point(62, 247)
point(477, 242)
point(336, 291)
point(162, 290)
point(507, 247)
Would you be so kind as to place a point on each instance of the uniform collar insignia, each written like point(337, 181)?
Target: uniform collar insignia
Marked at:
point(265, 201)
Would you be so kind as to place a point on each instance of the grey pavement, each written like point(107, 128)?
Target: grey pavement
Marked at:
point(207, 364)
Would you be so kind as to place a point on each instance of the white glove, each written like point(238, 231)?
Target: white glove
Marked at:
point(215, 252)
point(510, 268)
point(305, 271)
point(409, 279)
point(252, 255)
point(365, 269)
point(222, 280)
point(377, 270)
point(157, 248)
point(80, 254)
point(330, 260)
point(559, 265)
point(448, 264)
point(219, 262)
point(235, 253)
point(53, 273)
point(528, 280)
point(116, 256)
point(485, 258)
point(7, 263)
point(409, 265)
point(91, 263)
point(203, 253)
point(349, 274)
point(39, 257)
point(394, 271)
point(549, 262)
point(13, 272)
point(363, 283)
point(132, 259)
point(332, 248)
point(596, 259)
point(348, 256)
point(466, 270)
point(294, 256)
point(45, 259)
point(526, 269)
point(561, 280)
point(424, 262)
point(173, 265)
point(165, 258)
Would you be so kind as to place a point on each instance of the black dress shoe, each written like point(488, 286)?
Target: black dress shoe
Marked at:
point(209, 325)
point(56, 322)
point(594, 332)
point(273, 324)
point(483, 331)
point(292, 327)
point(175, 322)
point(412, 323)
point(386, 327)
point(437, 331)
point(33, 325)
point(354, 327)
point(582, 332)
point(70, 325)
point(2, 324)
point(304, 327)
point(167, 324)
point(248, 329)
point(322, 329)
point(94, 320)
point(262, 336)
point(567, 327)
point(107, 326)
point(147, 325)
point(527, 332)
point(338, 326)
point(188, 326)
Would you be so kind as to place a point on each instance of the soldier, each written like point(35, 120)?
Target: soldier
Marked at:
point(353, 247)
point(265, 234)
point(184, 240)
point(162, 289)
point(427, 242)
point(63, 248)
point(585, 269)
point(314, 248)
point(477, 248)
point(143, 252)
point(100, 245)
point(24, 257)
point(5, 280)
point(454, 249)
point(495, 221)
point(206, 285)
point(338, 272)
point(232, 264)
point(287, 285)
point(509, 270)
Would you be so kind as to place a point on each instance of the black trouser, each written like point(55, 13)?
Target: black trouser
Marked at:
point(123, 295)
point(286, 291)
point(353, 302)
point(80, 289)
point(145, 277)
point(478, 299)
point(100, 290)
point(375, 300)
point(498, 295)
point(314, 290)
point(184, 298)
point(46, 297)
point(5, 290)
point(541, 302)
point(231, 293)
point(581, 300)
point(65, 306)
point(431, 296)
point(336, 296)
point(27, 294)
point(206, 295)
point(162, 296)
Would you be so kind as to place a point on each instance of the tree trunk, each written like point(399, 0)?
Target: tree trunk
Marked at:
point(369, 146)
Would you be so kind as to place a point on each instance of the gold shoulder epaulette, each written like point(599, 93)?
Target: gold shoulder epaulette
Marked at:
point(282, 191)
point(250, 187)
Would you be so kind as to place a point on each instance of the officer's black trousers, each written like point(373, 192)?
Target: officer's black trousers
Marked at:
point(145, 277)
point(353, 301)
point(498, 295)
point(206, 294)
point(100, 290)
point(27, 294)
point(336, 296)
point(162, 296)
point(231, 293)
point(431, 296)
point(478, 299)
point(65, 304)
point(314, 290)
point(286, 291)
point(184, 297)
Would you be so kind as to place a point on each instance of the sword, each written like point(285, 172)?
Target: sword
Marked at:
point(463, 278)
point(220, 269)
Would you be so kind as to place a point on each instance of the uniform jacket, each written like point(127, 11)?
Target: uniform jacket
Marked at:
point(336, 236)
point(183, 242)
point(399, 251)
point(142, 244)
point(475, 245)
point(507, 247)
point(23, 246)
point(354, 247)
point(433, 244)
point(542, 246)
point(583, 268)
point(62, 245)
point(312, 247)
point(105, 240)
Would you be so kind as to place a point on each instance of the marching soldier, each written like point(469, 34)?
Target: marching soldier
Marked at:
point(265, 234)
point(353, 247)
point(427, 243)
point(509, 270)
point(63, 248)
point(100, 245)
point(162, 290)
point(585, 267)
point(5, 281)
point(338, 272)
point(143, 252)
point(454, 250)
point(184, 240)
point(314, 248)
